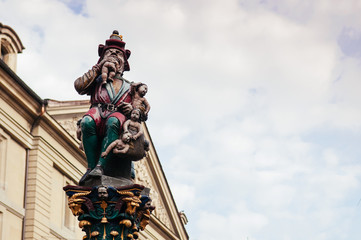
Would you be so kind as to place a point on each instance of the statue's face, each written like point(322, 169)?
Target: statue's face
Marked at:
point(126, 137)
point(143, 90)
point(102, 193)
point(135, 115)
point(117, 54)
point(148, 204)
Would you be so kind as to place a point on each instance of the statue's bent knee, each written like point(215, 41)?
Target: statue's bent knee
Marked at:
point(87, 125)
point(113, 123)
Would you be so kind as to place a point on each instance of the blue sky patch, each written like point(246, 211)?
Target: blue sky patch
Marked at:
point(350, 42)
point(76, 6)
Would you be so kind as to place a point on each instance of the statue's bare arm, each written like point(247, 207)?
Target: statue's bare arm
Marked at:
point(147, 106)
point(83, 83)
point(124, 150)
point(126, 125)
point(109, 148)
point(139, 133)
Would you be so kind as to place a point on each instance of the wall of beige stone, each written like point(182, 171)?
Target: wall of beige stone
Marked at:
point(51, 165)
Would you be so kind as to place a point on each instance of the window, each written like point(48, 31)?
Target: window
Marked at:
point(4, 52)
point(1, 224)
point(3, 151)
point(69, 218)
point(61, 216)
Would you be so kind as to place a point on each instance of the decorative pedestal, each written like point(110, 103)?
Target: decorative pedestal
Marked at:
point(108, 212)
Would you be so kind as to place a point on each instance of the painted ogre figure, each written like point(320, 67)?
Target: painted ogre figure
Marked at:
point(111, 106)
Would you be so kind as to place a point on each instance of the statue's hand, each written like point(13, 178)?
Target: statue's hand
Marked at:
point(98, 67)
point(102, 62)
point(126, 108)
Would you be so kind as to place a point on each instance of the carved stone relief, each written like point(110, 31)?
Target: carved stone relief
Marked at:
point(143, 178)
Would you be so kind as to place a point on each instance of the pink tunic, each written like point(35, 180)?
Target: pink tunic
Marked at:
point(105, 94)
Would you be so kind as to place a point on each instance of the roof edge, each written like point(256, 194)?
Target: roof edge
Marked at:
point(18, 80)
point(166, 181)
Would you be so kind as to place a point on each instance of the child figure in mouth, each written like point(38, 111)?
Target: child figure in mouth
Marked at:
point(109, 69)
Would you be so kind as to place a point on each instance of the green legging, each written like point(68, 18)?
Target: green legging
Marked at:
point(93, 145)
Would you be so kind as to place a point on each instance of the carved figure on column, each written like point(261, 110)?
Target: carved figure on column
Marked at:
point(133, 125)
point(119, 146)
point(108, 204)
point(111, 106)
point(138, 91)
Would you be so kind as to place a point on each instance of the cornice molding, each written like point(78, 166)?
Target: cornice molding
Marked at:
point(11, 34)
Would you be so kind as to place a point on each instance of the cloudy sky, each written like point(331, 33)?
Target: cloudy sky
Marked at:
point(256, 105)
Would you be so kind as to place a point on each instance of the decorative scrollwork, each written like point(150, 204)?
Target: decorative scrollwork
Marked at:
point(112, 215)
point(132, 204)
point(76, 201)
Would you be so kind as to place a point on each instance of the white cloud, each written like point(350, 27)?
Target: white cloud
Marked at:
point(239, 224)
point(173, 133)
point(184, 195)
point(245, 98)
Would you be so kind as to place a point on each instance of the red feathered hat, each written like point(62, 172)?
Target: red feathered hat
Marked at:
point(115, 41)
